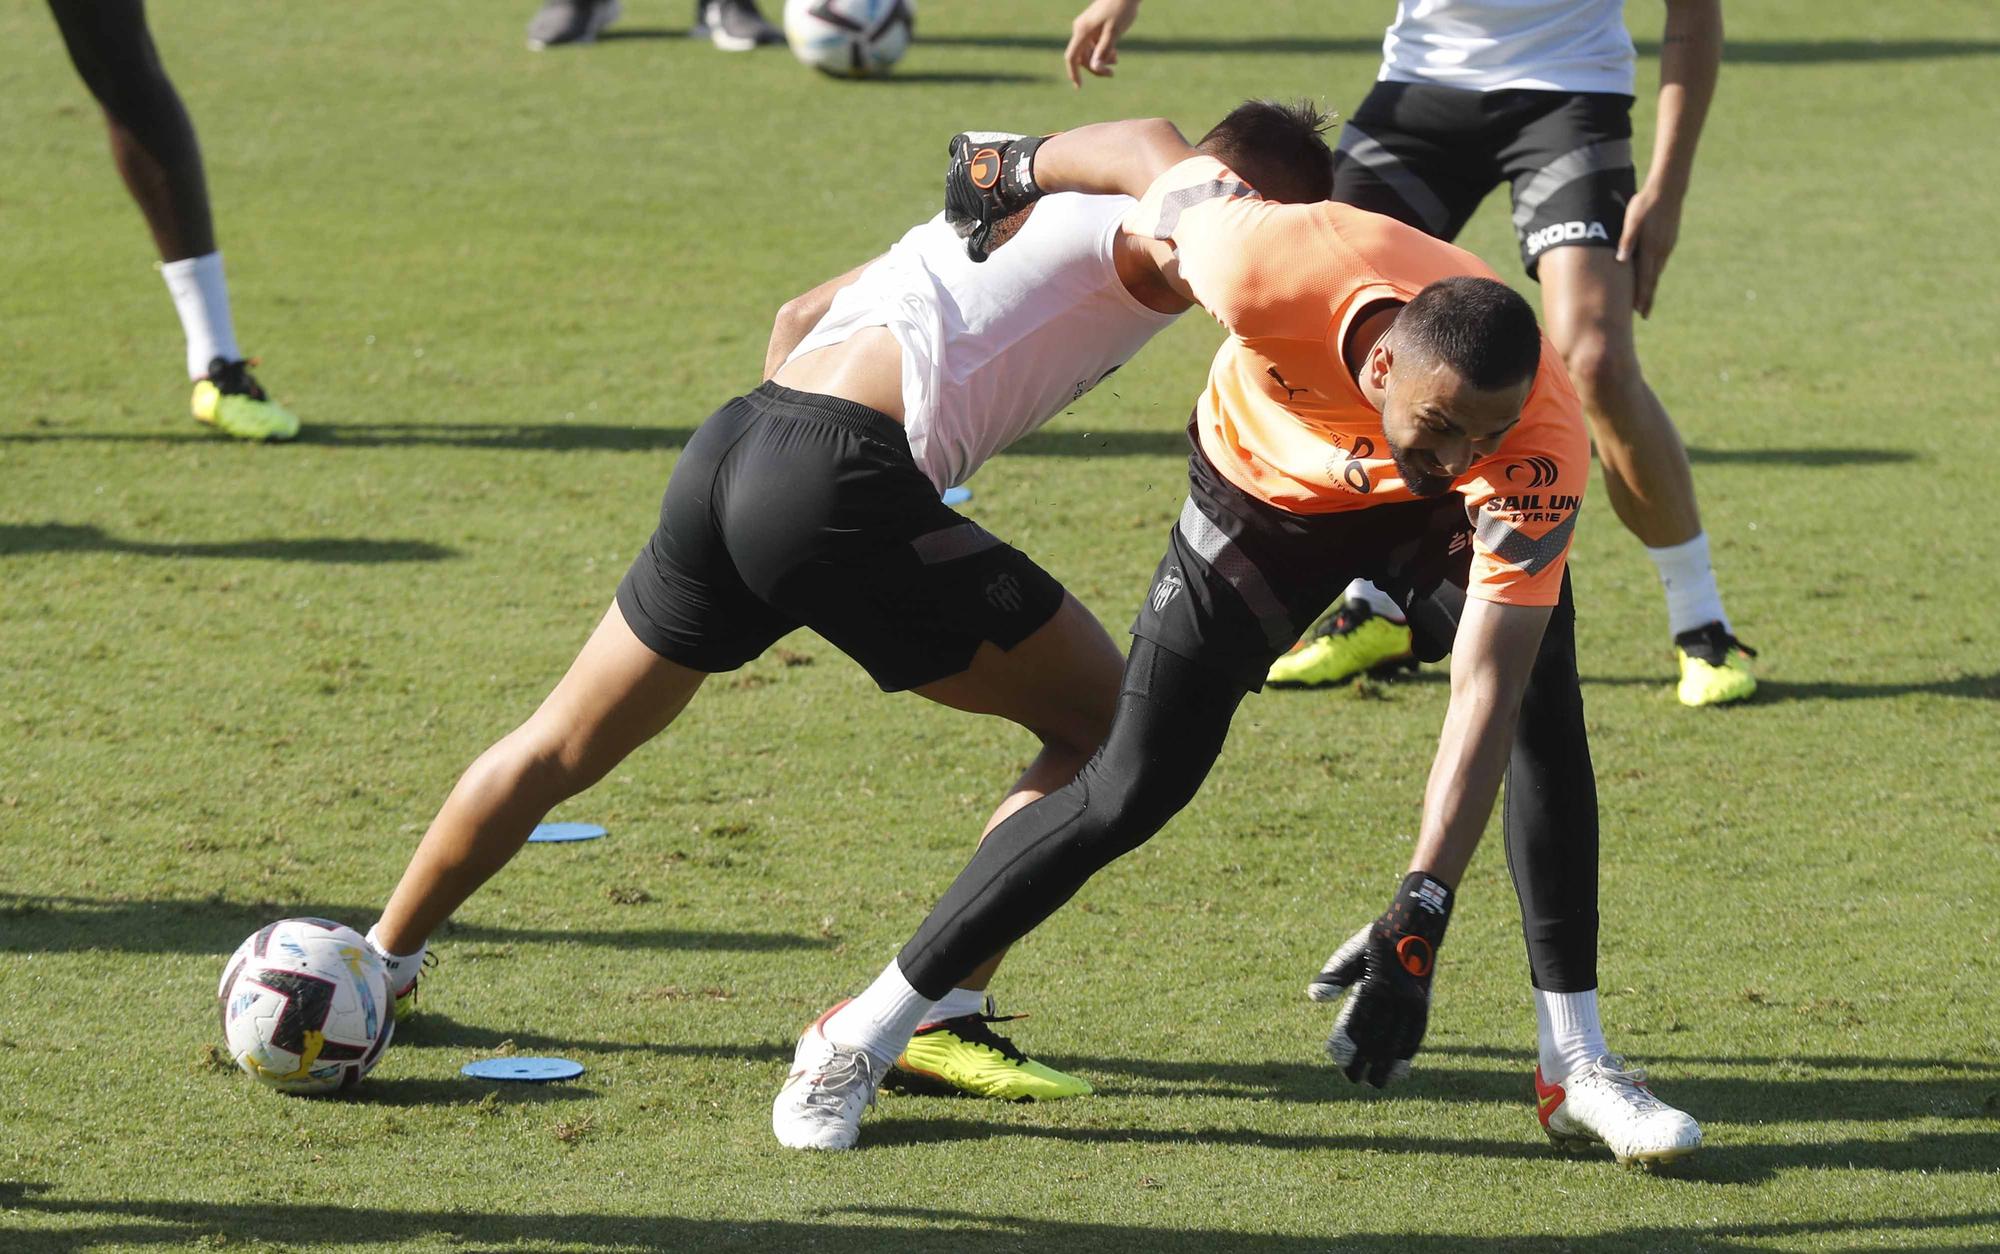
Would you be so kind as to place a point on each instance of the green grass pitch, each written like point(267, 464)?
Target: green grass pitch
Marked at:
point(501, 288)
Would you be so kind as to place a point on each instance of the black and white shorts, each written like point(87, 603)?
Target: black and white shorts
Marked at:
point(1427, 155)
point(791, 510)
point(1242, 580)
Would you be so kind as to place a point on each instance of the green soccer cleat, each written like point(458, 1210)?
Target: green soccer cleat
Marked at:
point(967, 1055)
point(229, 399)
point(1355, 641)
point(1714, 667)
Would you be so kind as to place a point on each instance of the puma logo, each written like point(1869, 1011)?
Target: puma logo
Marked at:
point(1290, 391)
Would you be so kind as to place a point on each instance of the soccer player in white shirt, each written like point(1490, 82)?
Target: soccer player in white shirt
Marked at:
point(1538, 93)
point(813, 501)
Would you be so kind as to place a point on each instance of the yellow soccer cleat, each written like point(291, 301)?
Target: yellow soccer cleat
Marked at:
point(1355, 641)
point(1715, 667)
point(229, 399)
point(967, 1055)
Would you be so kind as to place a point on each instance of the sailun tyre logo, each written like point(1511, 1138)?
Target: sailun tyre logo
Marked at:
point(1538, 472)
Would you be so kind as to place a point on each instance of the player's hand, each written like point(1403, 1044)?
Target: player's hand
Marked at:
point(1093, 38)
point(1384, 974)
point(1652, 226)
point(992, 175)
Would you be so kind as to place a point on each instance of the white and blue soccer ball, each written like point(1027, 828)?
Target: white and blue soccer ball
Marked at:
point(849, 38)
point(305, 1006)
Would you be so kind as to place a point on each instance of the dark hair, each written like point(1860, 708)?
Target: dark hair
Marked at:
point(1481, 328)
point(1277, 147)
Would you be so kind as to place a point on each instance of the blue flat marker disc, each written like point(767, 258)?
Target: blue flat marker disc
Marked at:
point(560, 832)
point(956, 496)
point(531, 1070)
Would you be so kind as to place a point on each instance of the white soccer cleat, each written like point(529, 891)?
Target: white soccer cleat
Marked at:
point(829, 1087)
point(1607, 1103)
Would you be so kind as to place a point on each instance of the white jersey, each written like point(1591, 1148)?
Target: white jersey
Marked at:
point(1490, 45)
point(993, 350)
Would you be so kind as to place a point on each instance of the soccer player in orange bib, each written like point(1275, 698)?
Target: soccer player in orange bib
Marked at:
point(1383, 408)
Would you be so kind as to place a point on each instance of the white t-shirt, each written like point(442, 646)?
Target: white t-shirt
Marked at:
point(993, 350)
point(1490, 45)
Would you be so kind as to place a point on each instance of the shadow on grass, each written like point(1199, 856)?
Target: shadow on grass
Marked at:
point(1828, 1062)
point(1816, 458)
point(1965, 687)
point(1738, 51)
point(890, 1229)
point(393, 1093)
point(434, 1031)
point(19, 538)
point(40, 923)
point(1884, 1091)
point(1973, 1152)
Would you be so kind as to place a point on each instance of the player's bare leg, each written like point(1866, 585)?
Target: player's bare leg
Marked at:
point(1061, 683)
point(1587, 308)
point(617, 695)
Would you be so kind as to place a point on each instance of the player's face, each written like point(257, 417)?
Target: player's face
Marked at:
point(1437, 424)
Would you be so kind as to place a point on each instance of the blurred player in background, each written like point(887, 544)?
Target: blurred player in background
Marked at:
point(1365, 418)
point(813, 501)
point(731, 25)
point(154, 146)
point(1538, 93)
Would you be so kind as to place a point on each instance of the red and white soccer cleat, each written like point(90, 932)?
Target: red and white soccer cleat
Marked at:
point(1607, 1103)
point(824, 1096)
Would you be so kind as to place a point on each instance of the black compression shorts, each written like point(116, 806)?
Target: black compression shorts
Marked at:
point(791, 510)
point(1427, 155)
point(1242, 579)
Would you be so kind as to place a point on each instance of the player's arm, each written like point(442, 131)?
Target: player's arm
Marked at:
point(1093, 38)
point(1690, 61)
point(1491, 657)
point(994, 174)
point(801, 314)
point(1385, 969)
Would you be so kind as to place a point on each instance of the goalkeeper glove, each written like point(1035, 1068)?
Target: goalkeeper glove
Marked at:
point(992, 175)
point(1384, 970)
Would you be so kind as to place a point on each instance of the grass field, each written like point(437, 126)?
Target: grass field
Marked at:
point(502, 288)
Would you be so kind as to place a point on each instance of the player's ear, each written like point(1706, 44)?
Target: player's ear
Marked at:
point(1381, 359)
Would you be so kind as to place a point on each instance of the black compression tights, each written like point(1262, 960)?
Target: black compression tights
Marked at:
point(1550, 816)
point(1171, 721)
point(1172, 718)
point(152, 139)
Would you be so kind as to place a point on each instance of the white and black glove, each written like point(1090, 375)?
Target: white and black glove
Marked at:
point(992, 175)
point(1384, 973)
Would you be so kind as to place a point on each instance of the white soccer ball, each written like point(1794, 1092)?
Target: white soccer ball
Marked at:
point(305, 1006)
point(849, 38)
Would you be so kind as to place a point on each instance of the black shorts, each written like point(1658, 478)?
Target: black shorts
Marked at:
point(1427, 155)
point(791, 510)
point(1243, 580)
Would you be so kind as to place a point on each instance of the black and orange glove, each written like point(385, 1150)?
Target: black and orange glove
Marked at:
point(992, 175)
point(1384, 971)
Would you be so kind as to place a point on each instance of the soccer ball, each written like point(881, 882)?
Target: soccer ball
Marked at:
point(305, 1006)
point(849, 38)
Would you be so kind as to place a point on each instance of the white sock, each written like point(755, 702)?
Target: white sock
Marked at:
point(1693, 600)
point(1570, 1035)
point(402, 969)
point(958, 1003)
point(202, 300)
point(1379, 601)
point(882, 1019)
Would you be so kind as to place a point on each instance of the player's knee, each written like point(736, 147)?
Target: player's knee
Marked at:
point(537, 763)
point(1606, 375)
